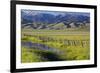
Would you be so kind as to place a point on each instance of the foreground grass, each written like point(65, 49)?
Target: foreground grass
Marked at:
point(73, 46)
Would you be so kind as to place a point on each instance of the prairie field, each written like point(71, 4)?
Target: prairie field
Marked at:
point(54, 45)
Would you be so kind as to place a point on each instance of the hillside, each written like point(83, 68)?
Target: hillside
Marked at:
point(53, 20)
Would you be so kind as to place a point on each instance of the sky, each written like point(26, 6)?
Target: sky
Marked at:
point(35, 12)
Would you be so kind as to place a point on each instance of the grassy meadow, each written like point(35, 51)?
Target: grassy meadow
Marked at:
point(54, 45)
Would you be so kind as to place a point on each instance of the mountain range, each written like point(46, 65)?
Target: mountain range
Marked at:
point(51, 20)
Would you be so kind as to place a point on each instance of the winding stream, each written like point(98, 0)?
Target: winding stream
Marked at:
point(40, 47)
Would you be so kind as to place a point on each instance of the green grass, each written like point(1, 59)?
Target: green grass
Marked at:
point(28, 55)
point(57, 39)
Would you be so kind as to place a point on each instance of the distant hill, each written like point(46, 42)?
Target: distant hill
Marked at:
point(52, 21)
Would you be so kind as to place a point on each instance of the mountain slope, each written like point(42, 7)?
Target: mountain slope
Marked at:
point(51, 20)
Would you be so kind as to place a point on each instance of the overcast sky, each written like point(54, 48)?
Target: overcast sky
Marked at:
point(35, 12)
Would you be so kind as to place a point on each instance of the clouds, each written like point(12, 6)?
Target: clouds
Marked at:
point(56, 13)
